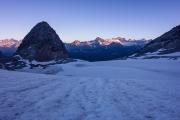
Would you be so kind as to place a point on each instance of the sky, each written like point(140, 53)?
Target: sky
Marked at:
point(88, 19)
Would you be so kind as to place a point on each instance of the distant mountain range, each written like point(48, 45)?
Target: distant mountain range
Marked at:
point(113, 48)
point(93, 50)
point(9, 46)
point(104, 49)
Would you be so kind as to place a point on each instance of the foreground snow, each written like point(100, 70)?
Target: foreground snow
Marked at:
point(112, 90)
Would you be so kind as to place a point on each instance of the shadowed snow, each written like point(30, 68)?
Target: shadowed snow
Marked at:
point(111, 90)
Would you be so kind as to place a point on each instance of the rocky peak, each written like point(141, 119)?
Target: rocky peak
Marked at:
point(119, 38)
point(167, 43)
point(76, 42)
point(99, 39)
point(42, 44)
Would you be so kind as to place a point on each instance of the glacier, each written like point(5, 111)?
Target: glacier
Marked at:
point(132, 89)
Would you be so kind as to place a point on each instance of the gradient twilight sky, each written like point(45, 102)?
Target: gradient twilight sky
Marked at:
point(87, 19)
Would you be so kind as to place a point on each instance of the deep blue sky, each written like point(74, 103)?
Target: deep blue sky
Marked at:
point(87, 19)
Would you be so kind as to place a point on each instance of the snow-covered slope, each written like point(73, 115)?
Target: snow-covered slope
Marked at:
point(111, 90)
point(167, 43)
point(158, 55)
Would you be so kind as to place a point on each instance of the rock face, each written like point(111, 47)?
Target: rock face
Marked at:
point(167, 43)
point(1, 54)
point(42, 44)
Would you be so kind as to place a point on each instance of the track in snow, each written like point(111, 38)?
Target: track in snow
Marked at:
point(27, 96)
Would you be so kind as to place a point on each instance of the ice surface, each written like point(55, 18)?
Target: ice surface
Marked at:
point(110, 90)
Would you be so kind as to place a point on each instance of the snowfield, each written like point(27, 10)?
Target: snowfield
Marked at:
point(109, 90)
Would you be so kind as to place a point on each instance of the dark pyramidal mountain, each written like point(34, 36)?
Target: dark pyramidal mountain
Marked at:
point(42, 44)
point(167, 43)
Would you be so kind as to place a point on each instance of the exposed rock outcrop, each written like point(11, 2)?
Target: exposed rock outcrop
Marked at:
point(42, 44)
point(167, 43)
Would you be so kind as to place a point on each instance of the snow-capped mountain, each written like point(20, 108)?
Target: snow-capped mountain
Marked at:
point(9, 46)
point(106, 42)
point(9, 43)
point(93, 50)
point(104, 49)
